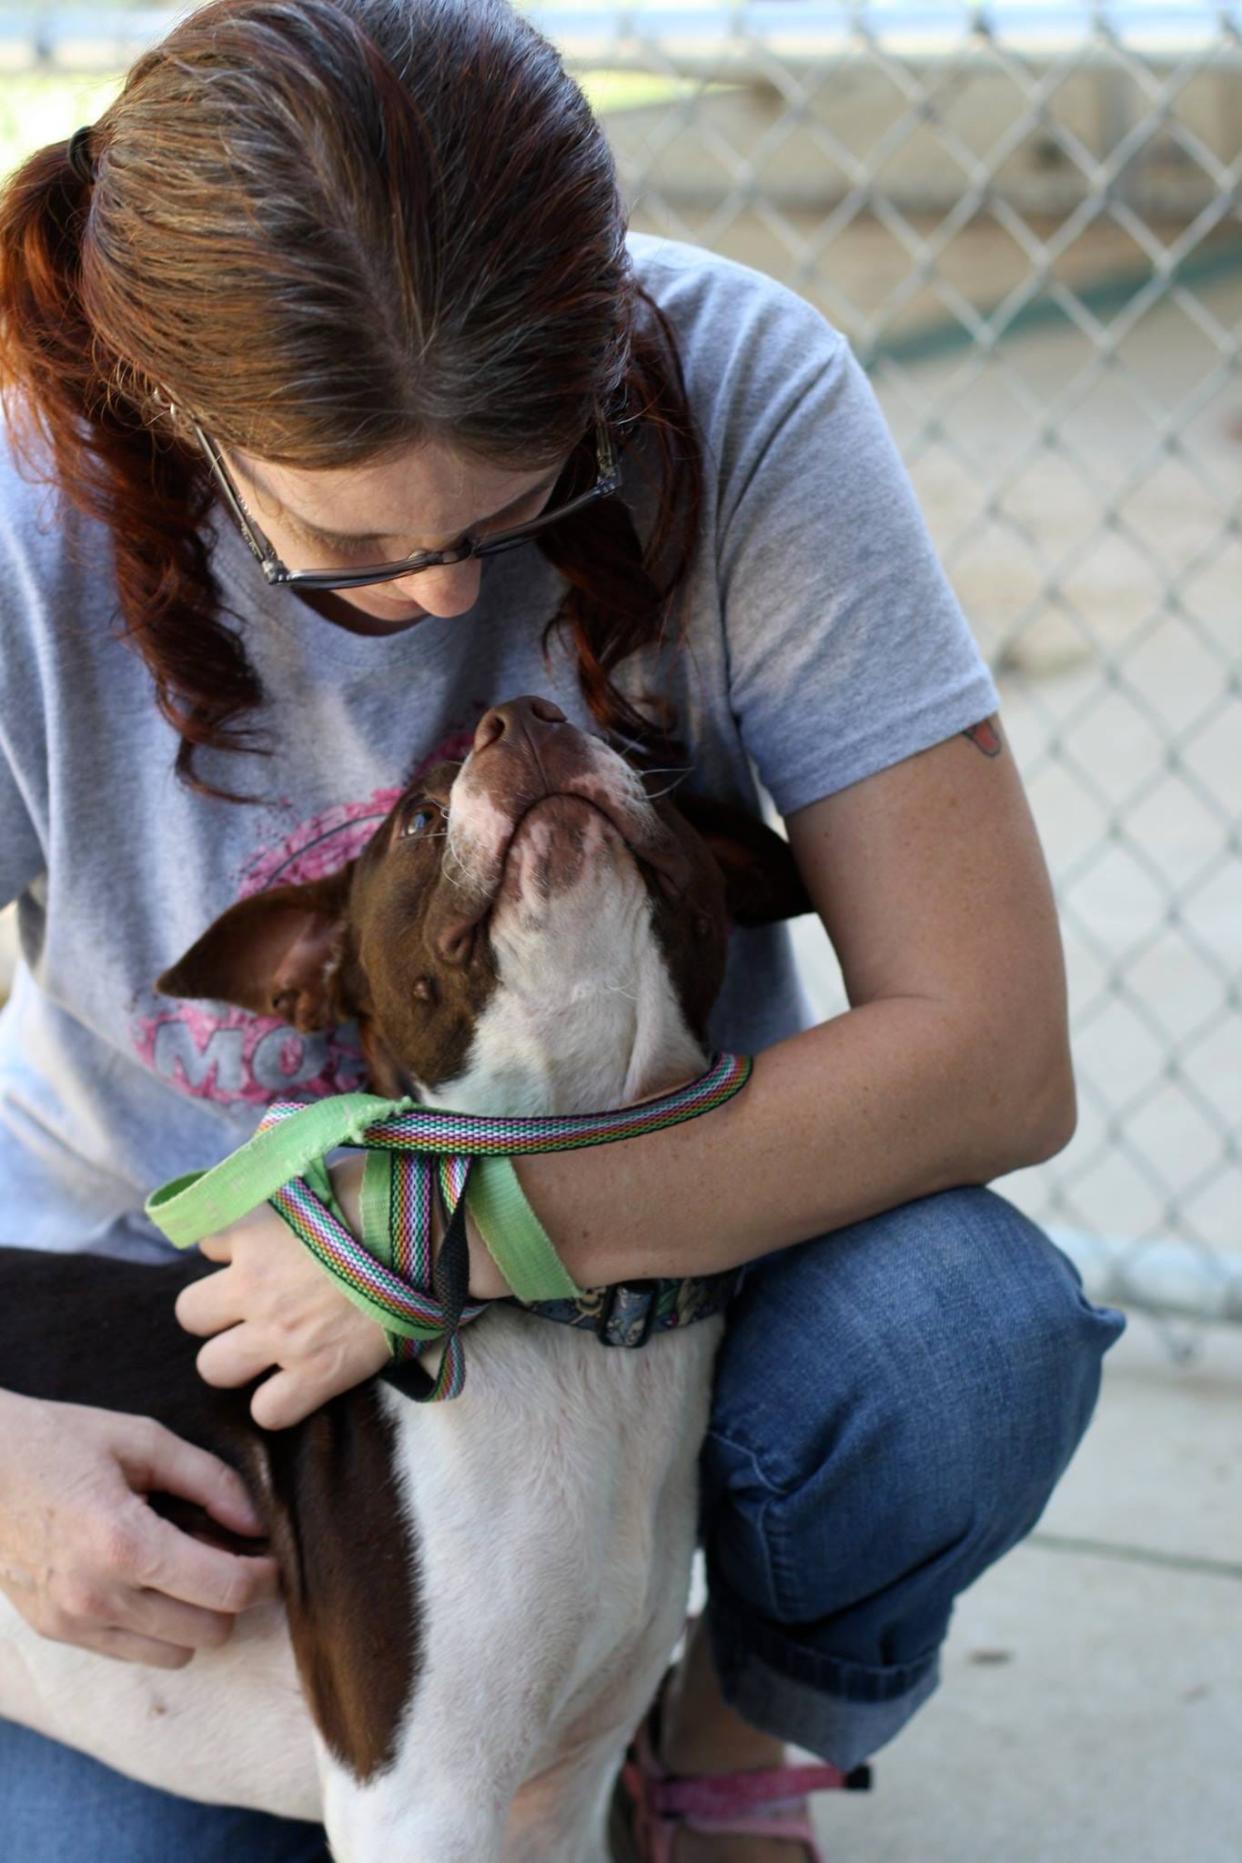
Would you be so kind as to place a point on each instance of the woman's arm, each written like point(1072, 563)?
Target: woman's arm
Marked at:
point(951, 1066)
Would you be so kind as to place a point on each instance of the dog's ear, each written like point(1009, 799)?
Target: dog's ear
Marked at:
point(762, 882)
point(278, 953)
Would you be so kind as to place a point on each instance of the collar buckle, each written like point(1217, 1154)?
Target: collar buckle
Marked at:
point(628, 1313)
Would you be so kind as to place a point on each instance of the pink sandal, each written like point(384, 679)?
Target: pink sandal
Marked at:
point(651, 1805)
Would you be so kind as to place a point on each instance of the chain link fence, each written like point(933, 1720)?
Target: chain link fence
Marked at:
point(1025, 216)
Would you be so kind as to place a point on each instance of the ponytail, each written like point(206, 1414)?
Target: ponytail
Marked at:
point(70, 428)
point(49, 386)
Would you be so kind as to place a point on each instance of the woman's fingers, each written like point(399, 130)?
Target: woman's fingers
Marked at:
point(218, 1247)
point(154, 1458)
point(283, 1400)
point(209, 1305)
point(273, 1309)
point(235, 1357)
point(146, 1618)
point(126, 1646)
point(289, 1395)
point(166, 1620)
point(187, 1570)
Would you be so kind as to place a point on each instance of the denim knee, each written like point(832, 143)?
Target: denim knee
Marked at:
point(894, 1403)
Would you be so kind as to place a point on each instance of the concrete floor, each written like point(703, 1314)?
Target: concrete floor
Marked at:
point(1091, 1702)
point(1092, 1698)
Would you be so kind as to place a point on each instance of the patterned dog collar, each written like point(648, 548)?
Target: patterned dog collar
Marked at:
point(627, 1313)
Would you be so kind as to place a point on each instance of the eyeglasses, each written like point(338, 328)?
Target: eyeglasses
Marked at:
point(607, 481)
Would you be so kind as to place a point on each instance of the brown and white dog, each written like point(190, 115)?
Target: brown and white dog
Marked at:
point(480, 1595)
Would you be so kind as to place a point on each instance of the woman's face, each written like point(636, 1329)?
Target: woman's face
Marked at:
point(423, 499)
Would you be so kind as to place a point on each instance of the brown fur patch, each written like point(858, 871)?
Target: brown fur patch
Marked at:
point(351, 1579)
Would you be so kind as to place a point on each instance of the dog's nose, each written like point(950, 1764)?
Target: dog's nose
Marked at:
point(513, 718)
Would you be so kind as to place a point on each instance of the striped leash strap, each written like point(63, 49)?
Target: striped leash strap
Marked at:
point(406, 1126)
point(414, 1153)
point(390, 1274)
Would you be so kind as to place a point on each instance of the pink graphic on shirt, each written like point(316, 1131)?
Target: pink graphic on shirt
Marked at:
point(318, 847)
point(232, 1056)
point(228, 1055)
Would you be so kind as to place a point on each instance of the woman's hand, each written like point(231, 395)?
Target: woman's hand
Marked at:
point(272, 1308)
point(86, 1559)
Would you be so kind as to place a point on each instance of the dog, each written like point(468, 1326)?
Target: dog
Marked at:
point(479, 1596)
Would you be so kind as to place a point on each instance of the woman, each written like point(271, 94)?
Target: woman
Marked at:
point(333, 286)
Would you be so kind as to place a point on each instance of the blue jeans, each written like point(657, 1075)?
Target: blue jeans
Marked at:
point(894, 1404)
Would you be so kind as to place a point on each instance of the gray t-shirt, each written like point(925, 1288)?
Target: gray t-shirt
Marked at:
point(821, 642)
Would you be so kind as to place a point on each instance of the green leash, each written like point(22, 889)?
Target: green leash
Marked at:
point(416, 1153)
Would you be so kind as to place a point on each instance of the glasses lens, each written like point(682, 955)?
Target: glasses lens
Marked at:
point(487, 543)
point(351, 570)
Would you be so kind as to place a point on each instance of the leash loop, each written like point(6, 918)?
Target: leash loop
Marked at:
point(429, 1152)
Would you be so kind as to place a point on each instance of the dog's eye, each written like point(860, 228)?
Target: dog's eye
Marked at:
point(418, 816)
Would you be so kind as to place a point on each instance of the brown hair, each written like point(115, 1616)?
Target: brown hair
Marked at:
point(330, 229)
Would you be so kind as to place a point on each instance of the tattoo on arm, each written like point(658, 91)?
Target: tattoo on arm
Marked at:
point(985, 737)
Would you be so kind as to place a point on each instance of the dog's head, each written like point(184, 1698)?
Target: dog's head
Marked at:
point(527, 931)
